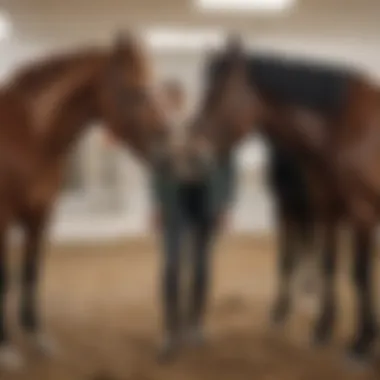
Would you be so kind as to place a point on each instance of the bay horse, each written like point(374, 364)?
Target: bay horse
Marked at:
point(44, 108)
point(329, 118)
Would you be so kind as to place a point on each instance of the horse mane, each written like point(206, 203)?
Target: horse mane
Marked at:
point(36, 75)
point(219, 64)
point(216, 69)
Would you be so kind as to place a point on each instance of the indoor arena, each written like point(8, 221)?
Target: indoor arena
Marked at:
point(118, 266)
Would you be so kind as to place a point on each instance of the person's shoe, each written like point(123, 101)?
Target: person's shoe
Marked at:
point(169, 347)
point(45, 344)
point(194, 336)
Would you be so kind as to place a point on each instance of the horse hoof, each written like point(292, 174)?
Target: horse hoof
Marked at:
point(356, 362)
point(46, 345)
point(168, 349)
point(360, 351)
point(166, 355)
point(276, 324)
point(11, 358)
point(278, 316)
point(318, 343)
point(320, 339)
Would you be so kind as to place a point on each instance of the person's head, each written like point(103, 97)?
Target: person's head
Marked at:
point(174, 94)
point(227, 111)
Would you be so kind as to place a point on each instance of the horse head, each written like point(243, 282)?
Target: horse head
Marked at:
point(227, 111)
point(128, 102)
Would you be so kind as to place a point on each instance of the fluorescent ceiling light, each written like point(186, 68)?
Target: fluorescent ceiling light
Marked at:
point(183, 39)
point(5, 26)
point(245, 5)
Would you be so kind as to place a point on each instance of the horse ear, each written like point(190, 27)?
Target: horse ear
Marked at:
point(125, 38)
point(124, 45)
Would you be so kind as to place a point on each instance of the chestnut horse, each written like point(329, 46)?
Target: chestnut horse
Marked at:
point(43, 110)
point(335, 137)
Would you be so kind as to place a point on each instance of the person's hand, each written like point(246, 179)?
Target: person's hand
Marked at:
point(224, 220)
point(156, 220)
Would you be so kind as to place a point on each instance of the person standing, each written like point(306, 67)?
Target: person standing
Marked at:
point(192, 198)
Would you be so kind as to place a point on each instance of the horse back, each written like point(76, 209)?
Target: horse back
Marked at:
point(318, 86)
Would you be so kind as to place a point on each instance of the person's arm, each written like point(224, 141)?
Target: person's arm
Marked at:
point(226, 185)
point(156, 185)
point(228, 181)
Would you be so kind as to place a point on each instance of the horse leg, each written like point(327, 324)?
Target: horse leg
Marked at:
point(286, 263)
point(9, 356)
point(362, 276)
point(306, 232)
point(34, 225)
point(3, 288)
point(325, 323)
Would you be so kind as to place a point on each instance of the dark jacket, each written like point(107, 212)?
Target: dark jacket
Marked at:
point(220, 184)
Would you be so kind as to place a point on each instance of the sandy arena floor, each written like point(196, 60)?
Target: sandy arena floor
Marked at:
point(100, 303)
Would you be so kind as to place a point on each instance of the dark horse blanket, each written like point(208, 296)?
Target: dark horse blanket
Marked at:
point(319, 86)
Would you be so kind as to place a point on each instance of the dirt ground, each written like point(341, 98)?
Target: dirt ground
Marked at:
point(100, 303)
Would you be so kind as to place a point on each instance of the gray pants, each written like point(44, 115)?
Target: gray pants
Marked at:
point(191, 221)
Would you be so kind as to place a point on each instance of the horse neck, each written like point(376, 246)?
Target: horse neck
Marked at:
point(64, 106)
point(295, 128)
point(75, 115)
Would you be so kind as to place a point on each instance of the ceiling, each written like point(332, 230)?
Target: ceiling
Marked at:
point(43, 19)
